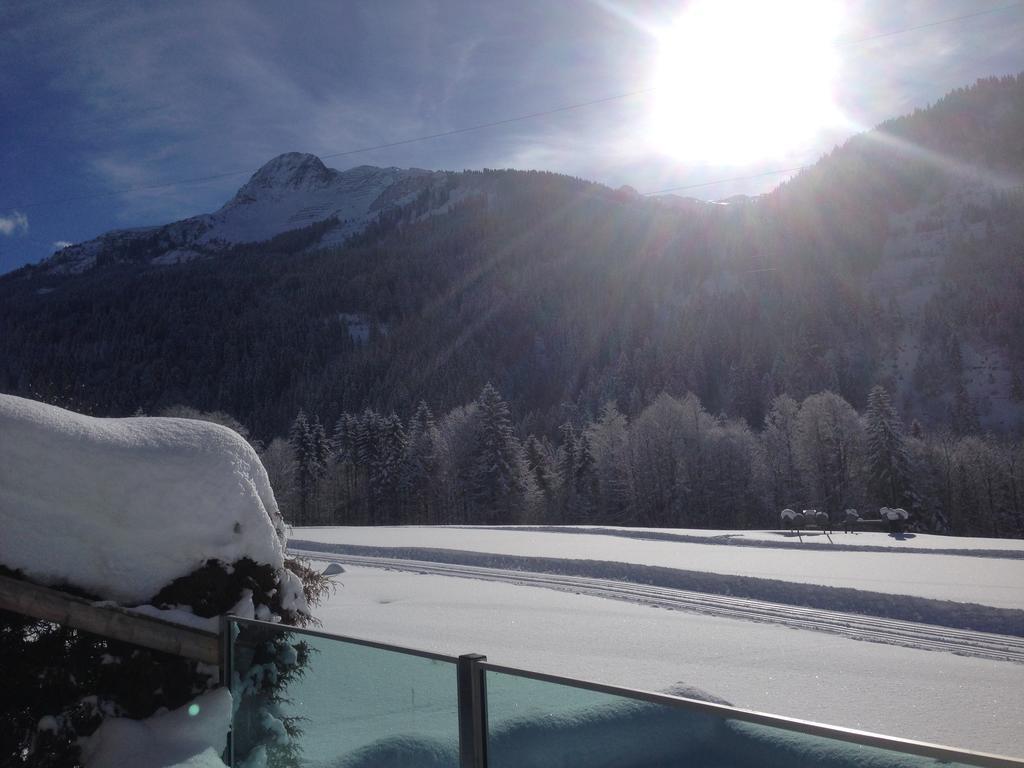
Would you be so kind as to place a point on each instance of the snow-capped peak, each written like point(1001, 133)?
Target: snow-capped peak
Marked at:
point(292, 191)
point(290, 171)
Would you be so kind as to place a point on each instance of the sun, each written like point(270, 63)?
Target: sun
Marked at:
point(739, 81)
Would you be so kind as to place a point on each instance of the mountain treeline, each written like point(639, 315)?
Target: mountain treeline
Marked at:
point(724, 336)
point(563, 294)
point(671, 464)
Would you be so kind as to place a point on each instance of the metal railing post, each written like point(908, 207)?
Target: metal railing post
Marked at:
point(472, 712)
point(226, 655)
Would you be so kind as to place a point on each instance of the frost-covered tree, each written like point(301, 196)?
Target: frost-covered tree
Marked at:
point(779, 440)
point(830, 451)
point(656, 446)
point(608, 439)
point(888, 463)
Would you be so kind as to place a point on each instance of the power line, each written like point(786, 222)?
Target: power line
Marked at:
point(950, 20)
point(506, 121)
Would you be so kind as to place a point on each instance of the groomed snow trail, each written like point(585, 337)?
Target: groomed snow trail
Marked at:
point(908, 634)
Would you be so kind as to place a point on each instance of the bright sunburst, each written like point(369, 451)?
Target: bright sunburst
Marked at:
point(745, 80)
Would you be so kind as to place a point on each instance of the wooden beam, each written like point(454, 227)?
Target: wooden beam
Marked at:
point(108, 621)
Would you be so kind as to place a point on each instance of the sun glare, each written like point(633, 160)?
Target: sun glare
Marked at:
point(739, 81)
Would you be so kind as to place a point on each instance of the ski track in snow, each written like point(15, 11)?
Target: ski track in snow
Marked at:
point(786, 540)
point(984, 645)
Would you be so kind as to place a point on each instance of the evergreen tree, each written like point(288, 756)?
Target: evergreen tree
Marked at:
point(386, 472)
point(887, 459)
point(963, 414)
point(319, 452)
point(585, 475)
point(498, 477)
point(566, 465)
point(299, 439)
point(542, 464)
point(419, 480)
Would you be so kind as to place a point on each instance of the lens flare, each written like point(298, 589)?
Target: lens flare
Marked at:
point(745, 80)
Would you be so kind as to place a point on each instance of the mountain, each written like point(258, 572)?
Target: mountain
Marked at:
point(293, 191)
point(896, 259)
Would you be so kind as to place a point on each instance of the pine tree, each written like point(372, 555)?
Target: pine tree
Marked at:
point(963, 415)
point(299, 441)
point(498, 476)
point(386, 471)
point(1016, 386)
point(585, 476)
point(319, 452)
point(365, 449)
point(418, 478)
point(887, 457)
point(540, 462)
point(565, 470)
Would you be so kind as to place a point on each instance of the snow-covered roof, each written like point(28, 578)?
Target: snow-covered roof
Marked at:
point(122, 507)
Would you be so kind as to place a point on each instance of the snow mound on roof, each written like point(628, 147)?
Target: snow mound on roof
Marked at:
point(123, 507)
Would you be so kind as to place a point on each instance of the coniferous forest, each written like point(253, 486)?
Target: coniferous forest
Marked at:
point(549, 350)
point(670, 464)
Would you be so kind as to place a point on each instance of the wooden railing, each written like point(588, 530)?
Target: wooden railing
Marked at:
point(109, 621)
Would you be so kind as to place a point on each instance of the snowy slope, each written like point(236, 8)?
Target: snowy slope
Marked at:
point(292, 191)
point(122, 507)
point(295, 190)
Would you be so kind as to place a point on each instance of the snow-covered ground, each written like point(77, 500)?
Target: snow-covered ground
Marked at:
point(964, 577)
point(930, 695)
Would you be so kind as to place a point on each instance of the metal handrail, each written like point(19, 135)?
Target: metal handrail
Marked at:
point(809, 727)
point(344, 638)
point(479, 667)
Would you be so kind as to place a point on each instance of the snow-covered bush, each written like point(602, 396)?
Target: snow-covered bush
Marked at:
point(172, 515)
point(791, 519)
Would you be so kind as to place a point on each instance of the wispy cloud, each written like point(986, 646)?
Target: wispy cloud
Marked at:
point(60, 245)
point(13, 224)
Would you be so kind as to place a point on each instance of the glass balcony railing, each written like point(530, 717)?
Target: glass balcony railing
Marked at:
point(311, 699)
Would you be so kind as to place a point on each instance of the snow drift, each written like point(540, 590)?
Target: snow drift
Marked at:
point(123, 507)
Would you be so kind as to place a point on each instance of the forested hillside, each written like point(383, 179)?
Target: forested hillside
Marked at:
point(897, 260)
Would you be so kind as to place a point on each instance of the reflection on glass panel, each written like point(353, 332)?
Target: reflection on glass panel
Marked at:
point(303, 700)
point(534, 724)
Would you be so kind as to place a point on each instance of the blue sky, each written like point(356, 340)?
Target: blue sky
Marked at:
point(102, 96)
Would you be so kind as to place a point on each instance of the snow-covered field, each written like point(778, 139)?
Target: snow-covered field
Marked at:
point(964, 577)
point(900, 685)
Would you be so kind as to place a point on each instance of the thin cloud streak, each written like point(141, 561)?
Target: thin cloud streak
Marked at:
point(14, 223)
